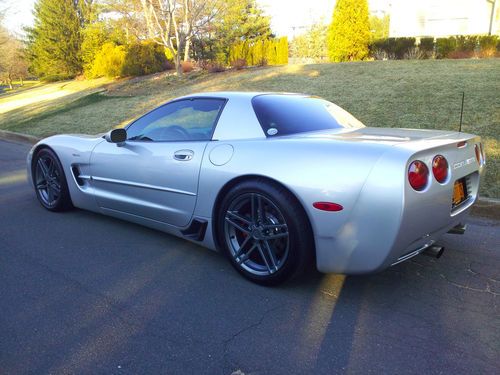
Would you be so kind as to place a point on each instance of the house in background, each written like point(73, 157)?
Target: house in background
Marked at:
point(441, 18)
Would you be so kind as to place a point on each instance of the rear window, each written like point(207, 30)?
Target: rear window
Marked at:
point(291, 114)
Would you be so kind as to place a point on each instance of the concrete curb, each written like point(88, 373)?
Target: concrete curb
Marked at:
point(487, 207)
point(18, 137)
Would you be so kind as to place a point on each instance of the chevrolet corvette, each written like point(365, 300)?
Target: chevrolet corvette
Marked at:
point(277, 182)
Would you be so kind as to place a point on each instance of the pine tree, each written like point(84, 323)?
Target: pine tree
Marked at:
point(55, 39)
point(349, 32)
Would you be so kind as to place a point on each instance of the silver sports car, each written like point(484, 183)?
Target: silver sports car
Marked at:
point(275, 181)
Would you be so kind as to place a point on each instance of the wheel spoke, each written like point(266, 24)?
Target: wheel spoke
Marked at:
point(272, 256)
point(235, 215)
point(57, 189)
point(256, 206)
point(240, 250)
point(264, 258)
point(43, 168)
point(50, 193)
point(277, 227)
point(50, 170)
point(245, 256)
point(236, 225)
point(41, 185)
point(274, 236)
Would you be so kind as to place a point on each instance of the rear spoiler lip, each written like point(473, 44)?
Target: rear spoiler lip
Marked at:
point(439, 141)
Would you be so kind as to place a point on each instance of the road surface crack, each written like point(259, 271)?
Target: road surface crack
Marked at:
point(226, 342)
point(487, 289)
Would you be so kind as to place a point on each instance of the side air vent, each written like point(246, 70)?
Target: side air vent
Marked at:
point(76, 174)
point(196, 231)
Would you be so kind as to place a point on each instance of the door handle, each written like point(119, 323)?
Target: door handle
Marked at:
point(183, 155)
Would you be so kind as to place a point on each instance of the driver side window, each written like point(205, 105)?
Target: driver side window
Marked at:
point(182, 120)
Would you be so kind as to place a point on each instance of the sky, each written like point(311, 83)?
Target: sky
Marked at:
point(289, 17)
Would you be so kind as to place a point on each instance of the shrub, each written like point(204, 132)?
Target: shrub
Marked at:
point(488, 45)
point(260, 51)
point(466, 43)
point(57, 77)
point(187, 66)
point(215, 67)
point(109, 61)
point(401, 46)
point(393, 48)
point(414, 54)
point(239, 64)
point(144, 58)
point(444, 46)
point(460, 54)
point(426, 46)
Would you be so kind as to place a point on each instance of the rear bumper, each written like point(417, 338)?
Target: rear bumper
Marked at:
point(331, 258)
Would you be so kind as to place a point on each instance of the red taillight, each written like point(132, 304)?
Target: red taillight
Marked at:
point(478, 154)
point(440, 168)
point(327, 206)
point(418, 175)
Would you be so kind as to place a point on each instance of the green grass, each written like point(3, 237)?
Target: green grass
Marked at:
point(410, 94)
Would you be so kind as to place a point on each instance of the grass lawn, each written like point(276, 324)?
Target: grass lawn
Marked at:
point(410, 94)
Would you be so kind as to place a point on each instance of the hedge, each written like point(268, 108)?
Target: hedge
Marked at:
point(461, 46)
point(260, 52)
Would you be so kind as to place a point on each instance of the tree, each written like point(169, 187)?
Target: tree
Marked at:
point(13, 64)
point(349, 31)
point(54, 41)
point(379, 27)
point(130, 25)
point(311, 44)
point(174, 23)
point(241, 20)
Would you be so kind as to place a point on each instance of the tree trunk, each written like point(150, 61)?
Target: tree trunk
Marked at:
point(22, 82)
point(178, 66)
point(9, 81)
point(186, 50)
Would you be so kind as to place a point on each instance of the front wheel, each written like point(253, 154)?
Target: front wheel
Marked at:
point(264, 232)
point(50, 182)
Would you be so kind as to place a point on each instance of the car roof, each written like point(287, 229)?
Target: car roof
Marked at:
point(237, 94)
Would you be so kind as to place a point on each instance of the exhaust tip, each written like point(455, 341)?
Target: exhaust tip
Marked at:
point(434, 251)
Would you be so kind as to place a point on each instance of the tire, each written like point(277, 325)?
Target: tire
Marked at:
point(264, 232)
point(50, 182)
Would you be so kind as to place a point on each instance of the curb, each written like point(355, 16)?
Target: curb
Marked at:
point(487, 208)
point(18, 137)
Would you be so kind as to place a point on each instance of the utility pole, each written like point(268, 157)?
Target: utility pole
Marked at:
point(492, 16)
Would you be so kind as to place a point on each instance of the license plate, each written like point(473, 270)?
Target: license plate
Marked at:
point(459, 192)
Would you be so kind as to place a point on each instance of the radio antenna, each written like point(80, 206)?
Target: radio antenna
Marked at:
point(461, 112)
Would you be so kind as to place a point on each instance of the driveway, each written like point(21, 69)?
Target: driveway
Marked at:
point(84, 293)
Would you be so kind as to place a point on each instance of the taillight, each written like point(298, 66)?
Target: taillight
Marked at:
point(418, 175)
point(483, 155)
point(440, 168)
point(478, 154)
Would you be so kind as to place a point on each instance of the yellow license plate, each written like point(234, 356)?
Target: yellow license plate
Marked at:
point(458, 192)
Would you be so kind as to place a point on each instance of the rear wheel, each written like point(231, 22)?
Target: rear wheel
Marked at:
point(50, 182)
point(264, 232)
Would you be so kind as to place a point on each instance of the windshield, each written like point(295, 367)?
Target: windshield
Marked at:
point(290, 114)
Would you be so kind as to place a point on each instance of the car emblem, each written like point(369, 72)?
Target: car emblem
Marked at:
point(463, 163)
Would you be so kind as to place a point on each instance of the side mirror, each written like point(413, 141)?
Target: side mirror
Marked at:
point(116, 136)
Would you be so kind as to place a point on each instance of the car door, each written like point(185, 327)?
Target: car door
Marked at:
point(154, 173)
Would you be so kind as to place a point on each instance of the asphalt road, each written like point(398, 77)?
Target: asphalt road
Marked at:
point(84, 293)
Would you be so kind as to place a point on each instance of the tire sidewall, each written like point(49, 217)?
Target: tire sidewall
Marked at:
point(298, 237)
point(64, 201)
